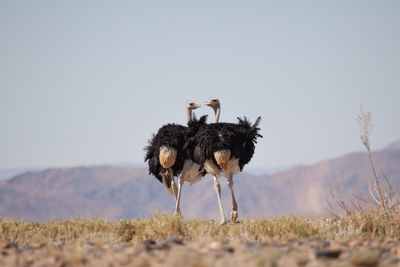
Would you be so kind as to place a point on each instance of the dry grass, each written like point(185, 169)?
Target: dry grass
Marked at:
point(160, 226)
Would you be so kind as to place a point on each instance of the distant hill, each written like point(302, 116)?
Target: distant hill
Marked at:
point(11, 172)
point(129, 192)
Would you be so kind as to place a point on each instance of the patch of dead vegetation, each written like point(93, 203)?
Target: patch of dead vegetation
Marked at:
point(164, 240)
point(160, 226)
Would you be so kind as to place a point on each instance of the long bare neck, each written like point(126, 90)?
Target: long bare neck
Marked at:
point(217, 114)
point(188, 114)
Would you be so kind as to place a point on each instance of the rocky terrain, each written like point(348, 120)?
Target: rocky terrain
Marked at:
point(168, 241)
point(174, 252)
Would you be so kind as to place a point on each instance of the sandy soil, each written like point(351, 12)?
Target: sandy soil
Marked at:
point(174, 252)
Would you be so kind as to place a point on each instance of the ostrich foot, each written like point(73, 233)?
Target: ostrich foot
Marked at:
point(178, 213)
point(234, 216)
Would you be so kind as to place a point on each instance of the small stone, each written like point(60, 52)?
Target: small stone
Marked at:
point(364, 257)
point(250, 244)
point(328, 253)
point(149, 242)
point(229, 249)
point(10, 245)
point(215, 245)
point(173, 240)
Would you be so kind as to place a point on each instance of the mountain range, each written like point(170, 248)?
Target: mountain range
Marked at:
point(129, 192)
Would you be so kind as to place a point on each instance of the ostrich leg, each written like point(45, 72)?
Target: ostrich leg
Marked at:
point(234, 212)
point(173, 184)
point(178, 199)
point(217, 188)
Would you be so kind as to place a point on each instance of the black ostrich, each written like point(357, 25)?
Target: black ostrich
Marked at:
point(165, 153)
point(223, 149)
point(191, 171)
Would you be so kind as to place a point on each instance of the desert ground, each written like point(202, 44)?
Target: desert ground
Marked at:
point(363, 239)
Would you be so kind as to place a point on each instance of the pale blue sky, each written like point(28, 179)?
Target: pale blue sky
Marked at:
point(88, 82)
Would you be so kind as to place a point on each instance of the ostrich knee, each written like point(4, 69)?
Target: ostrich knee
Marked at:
point(174, 188)
point(217, 186)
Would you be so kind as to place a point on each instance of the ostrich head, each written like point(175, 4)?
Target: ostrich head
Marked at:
point(213, 103)
point(190, 105)
point(216, 106)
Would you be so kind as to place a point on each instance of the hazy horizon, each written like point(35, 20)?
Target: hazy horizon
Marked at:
point(7, 173)
point(87, 83)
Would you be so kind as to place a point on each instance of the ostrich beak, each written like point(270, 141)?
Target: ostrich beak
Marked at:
point(196, 106)
point(208, 103)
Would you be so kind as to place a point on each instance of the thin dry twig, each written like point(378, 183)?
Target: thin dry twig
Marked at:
point(391, 190)
point(372, 194)
point(364, 119)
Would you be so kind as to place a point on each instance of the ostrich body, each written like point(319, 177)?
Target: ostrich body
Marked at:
point(224, 149)
point(165, 154)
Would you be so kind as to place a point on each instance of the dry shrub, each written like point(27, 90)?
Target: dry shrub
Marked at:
point(376, 214)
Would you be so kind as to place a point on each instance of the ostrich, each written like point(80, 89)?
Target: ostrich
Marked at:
point(165, 153)
point(224, 149)
point(192, 171)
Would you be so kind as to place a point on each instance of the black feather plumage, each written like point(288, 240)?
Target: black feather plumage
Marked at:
point(170, 135)
point(173, 136)
point(240, 138)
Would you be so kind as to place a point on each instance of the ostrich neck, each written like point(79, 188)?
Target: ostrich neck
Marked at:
point(188, 114)
point(217, 113)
